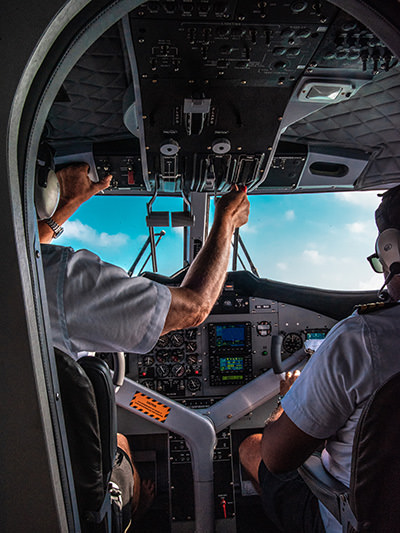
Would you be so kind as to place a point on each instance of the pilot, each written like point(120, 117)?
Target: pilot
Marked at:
point(96, 306)
point(322, 406)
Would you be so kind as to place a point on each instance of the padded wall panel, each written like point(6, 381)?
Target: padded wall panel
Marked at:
point(370, 120)
point(95, 88)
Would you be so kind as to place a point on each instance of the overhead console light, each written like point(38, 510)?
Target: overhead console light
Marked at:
point(325, 92)
point(319, 92)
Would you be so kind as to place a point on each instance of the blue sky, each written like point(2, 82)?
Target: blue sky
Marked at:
point(318, 240)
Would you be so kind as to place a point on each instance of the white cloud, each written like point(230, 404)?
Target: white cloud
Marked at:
point(357, 227)
point(372, 283)
point(282, 266)
point(314, 257)
point(141, 238)
point(368, 199)
point(88, 235)
point(249, 229)
point(363, 230)
point(290, 215)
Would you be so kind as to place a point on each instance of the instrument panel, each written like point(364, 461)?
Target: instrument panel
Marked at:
point(229, 349)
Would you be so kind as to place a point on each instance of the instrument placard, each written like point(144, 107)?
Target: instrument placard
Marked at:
point(149, 406)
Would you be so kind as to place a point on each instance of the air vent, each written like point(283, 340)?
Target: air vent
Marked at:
point(333, 170)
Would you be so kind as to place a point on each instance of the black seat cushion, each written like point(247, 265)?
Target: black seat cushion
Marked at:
point(99, 374)
point(375, 476)
point(82, 426)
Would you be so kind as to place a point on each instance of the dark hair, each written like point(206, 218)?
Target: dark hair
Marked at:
point(388, 213)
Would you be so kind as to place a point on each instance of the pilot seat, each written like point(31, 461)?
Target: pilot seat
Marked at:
point(372, 503)
point(88, 400)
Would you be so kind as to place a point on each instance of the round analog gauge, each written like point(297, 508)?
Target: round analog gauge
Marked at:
point(162, 371)
point(148, 360)
point(176, 339)
point(292, 342)
point(163, 341)
point(192, 358)
point(149, 383)
point(191, 346)
point(191, 334)
point(177, 355)
point(178, 370)
point(193, 384)
point(162, 356)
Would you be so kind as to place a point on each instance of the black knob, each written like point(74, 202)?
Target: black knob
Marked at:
point(299, 6)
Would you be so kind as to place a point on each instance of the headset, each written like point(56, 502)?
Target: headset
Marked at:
point(388, 249)
point(47, 188)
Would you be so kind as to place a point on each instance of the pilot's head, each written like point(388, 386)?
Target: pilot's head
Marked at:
point(387, 246)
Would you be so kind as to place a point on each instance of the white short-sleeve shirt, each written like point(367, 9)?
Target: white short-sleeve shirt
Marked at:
point(96, 306)
point(358, 355)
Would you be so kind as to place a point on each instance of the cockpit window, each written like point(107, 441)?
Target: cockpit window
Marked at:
point(114, 228)
point(318, 240)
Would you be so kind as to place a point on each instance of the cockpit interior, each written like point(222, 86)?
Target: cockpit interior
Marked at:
point(185, 99)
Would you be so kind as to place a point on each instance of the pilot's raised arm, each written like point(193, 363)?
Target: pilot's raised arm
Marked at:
point(324, 404)
point(96, 306)
point(192, 302)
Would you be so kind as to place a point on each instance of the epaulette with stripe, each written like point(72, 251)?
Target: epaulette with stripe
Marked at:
point(363, 309)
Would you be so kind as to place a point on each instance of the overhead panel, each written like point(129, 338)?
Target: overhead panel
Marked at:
point(215, 79)
point(197, 95)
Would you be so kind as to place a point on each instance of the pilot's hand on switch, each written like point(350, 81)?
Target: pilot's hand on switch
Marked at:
point(233, 206)
point(75, 185)
point(287, 382)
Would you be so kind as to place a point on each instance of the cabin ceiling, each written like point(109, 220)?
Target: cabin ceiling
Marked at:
point(175, 99)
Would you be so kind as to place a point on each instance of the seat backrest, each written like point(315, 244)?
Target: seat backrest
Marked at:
point(372, 503)
point(375, 476)
point(99, 375)
point(87, 396)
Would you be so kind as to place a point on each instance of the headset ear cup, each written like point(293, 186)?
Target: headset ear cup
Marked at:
point(47, 188)
point(388, 249)
point(46, 198)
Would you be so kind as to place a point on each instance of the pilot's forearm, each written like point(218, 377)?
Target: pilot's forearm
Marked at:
point(192, 302)
point(61, 215)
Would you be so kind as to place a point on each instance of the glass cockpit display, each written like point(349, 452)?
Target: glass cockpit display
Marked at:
point(230, 335)
point(230, 353)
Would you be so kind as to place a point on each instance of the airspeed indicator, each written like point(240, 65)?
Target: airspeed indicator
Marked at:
point(292, 342)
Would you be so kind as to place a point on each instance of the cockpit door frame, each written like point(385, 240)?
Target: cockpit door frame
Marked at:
point(31, 489)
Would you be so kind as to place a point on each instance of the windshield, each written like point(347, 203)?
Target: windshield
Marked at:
point(318, 240)
point(114, 227)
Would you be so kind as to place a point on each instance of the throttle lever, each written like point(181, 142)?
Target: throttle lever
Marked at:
point(276, 355)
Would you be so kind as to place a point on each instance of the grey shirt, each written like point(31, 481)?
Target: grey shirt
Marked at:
point(96, 306)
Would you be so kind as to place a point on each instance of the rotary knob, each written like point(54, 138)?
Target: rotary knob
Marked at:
point(169, 148)
point(221, 146)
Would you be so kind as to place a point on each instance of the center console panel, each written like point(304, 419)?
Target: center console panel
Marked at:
point(229, 349)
